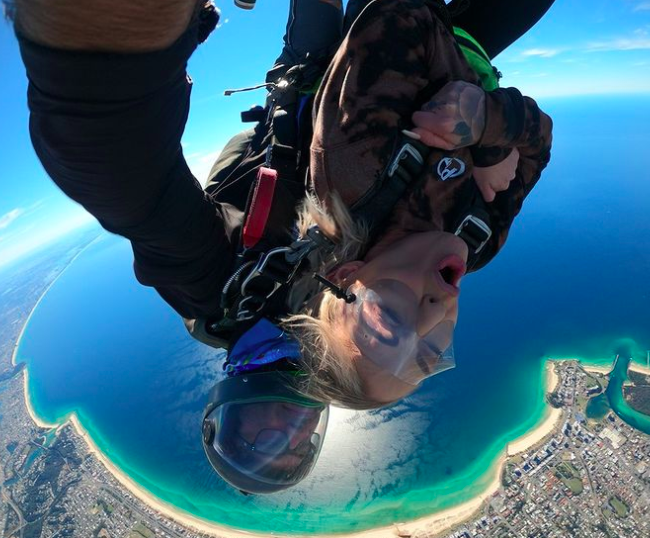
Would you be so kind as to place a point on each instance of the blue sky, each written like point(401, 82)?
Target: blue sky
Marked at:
point(581, 47)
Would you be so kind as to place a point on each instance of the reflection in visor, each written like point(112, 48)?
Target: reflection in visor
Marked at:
point(386, 333)
point(274, 442)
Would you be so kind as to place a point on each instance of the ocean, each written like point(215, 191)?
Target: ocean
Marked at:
point(570, 282)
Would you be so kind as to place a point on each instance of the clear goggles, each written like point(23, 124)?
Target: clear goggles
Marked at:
point(386, 333)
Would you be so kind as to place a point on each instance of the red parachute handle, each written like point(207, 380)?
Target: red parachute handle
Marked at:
point(260, 206)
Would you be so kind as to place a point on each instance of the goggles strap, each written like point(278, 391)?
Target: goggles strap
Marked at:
point(339, 293)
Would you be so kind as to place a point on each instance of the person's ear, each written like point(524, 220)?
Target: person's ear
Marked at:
point(343, 272)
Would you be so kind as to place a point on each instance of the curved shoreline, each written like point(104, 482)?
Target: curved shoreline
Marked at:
point(42, 296)
point(549, 423)
point(435, 523)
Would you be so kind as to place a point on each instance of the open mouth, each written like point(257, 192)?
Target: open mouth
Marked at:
point(451, 270)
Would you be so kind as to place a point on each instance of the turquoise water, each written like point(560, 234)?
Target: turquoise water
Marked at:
point(570, 282)
point(598, 407)
point(617, 401)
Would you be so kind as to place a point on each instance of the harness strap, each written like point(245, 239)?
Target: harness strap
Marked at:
point(376, 206)
point(378, 203)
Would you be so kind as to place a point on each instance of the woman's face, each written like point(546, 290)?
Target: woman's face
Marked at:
point(406, 308)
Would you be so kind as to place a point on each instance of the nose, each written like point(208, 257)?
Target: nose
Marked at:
point(299, 436)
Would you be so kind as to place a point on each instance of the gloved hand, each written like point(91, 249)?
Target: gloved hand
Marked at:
point(208, 20)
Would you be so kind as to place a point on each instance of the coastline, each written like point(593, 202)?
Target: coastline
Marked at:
point(639, 369)
point(432, 524)
point(603, 370)
point(14, 355)
point(547, 426)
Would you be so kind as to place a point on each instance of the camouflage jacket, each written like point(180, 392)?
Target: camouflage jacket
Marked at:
point(397, 55)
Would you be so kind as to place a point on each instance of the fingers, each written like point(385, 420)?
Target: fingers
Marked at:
point(433, 130)
point(432, 140)
point(487, 191)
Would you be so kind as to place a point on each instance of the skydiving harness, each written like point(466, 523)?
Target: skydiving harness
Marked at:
point(267, 263)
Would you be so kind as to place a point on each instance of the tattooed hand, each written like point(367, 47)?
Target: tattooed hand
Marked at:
point(497, 178)
point(453, 118)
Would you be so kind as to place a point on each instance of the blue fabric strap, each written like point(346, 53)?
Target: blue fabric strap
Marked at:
point(263, 344)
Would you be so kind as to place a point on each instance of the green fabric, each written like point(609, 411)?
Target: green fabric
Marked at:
point(478, 59)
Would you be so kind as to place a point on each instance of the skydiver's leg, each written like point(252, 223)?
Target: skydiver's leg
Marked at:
point(314, 27)
point(496, 24)
point(352, 11)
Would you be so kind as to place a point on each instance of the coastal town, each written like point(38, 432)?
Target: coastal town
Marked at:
point(582, 473)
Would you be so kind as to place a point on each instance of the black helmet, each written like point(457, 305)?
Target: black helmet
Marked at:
point(260, 434)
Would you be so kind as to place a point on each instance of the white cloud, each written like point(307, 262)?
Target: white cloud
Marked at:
point(33, 236)
point(643, 6)
point(541, 53)
point(8, 218)
point(622, 44)
point(201, 163)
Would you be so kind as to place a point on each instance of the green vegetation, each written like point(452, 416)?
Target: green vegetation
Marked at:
point(593, 384)
point(101, 504)
point(575, 485)
point(569, 476)
point(619, 507)
point(638, 397)
point(140, 531)
point(554, 400)
point(506, 476)
point(637, 378)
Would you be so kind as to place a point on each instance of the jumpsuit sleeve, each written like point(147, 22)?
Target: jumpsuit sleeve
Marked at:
point(107, 129)
point(395, 56)
point(513, 120)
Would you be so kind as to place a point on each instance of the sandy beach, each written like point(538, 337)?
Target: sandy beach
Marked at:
point(431, 525)
point(603, 370)
point(639, 368)
point(550, 422)
point(436, 523)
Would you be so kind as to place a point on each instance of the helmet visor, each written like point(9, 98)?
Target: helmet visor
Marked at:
point(272, 442)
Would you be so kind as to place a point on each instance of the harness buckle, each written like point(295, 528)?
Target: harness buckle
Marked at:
point(475, 232)
point(406, 151)
point(260, 271)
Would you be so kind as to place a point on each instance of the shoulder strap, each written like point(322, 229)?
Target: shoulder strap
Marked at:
point(376, 206)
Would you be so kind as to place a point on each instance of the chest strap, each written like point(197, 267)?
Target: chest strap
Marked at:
point(407, 166)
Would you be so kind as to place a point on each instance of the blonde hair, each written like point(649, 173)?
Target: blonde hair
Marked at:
point(331, 375)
